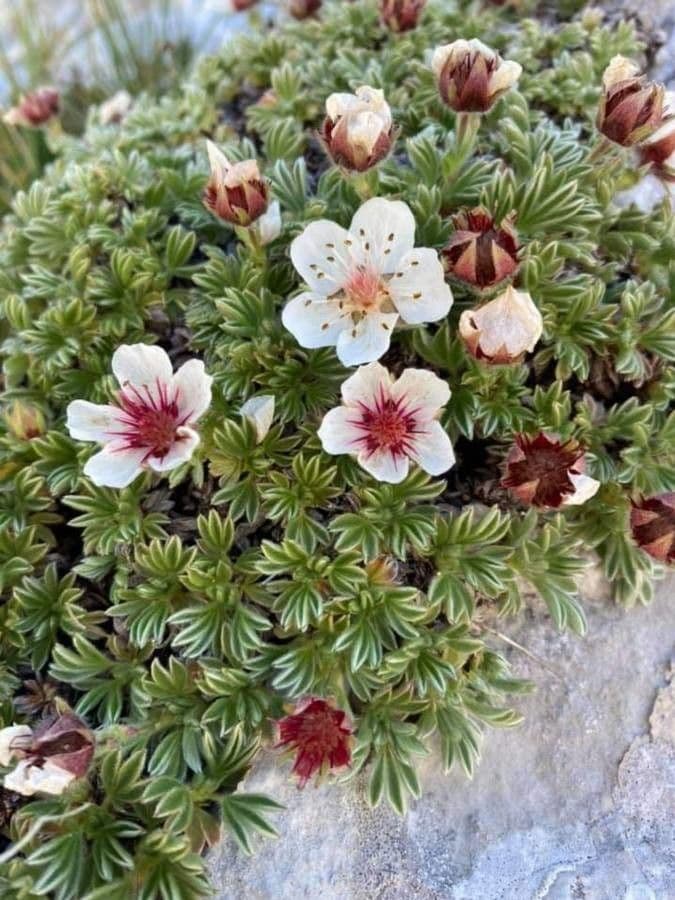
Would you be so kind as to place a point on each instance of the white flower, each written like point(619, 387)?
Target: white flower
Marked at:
point(358, 130)
point(115, 108)
point(13, 740)
point(150, 425)
point(388, 424)
point(260, 412)
point(365, 99)
point(28, 778)
point(362, 281)
point(504, 329)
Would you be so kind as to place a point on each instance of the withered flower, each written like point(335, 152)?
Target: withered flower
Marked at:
point(357, 131)
point(303, 9)
point(652, 523)
point(480, 252)
point(542, 470)
point(631, 107)
point(34, 108)
point(235, 192)
point(502, 331)
point(319, 735)
point(400, 15)
point(471, 77)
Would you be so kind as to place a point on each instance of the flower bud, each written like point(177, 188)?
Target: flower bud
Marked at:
point(35, 108)
point(503, 330)
point(658, 150)
point(400, 15)
point(25, 421)
point(260, 413)
point(652, 522)
point(235, 192)
point(630, 107)
point(303, 9)
point(357, 131)
point(543, 471)
point(480, 252)
point(471, 77)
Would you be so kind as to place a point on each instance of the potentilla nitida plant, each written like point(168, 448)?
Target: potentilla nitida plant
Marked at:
point(542, 470)
point(652, 522)
point(358, 130)
point(387, 423)
point(631, 107)
point(480, 252)
point(362, 281)
point(471, 77)
point(401, 15)
point(35, 108)
point(151, 424)
point(504, 330)
point(320, 736)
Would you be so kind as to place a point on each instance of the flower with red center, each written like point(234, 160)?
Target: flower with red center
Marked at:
point(357, 131)
point(362, 281)
point(320, 736)
point(652, 522)
point(235, 192)
point(543, 471)
point(151, 423)
point(502, 331)
point(471, 77)
point(303, 9)
point(401, 15)
point(388, 424)
point(631, 108)
point(34, 109)
point(658, 150)
point(479, 252)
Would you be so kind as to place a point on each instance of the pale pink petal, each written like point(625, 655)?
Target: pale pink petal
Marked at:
point(384, 466)
point(366, 341)
point(193, 387)
point(421, 390)
point(181, 451)
point(323, 256)
point(366, 385)
point(338, 433)
point(141, 365)
point(418, 288)
point(585, 487)
point(385, 231)
point(315, 321)
point(432, 450)
point(113, 467)
point(91, 421)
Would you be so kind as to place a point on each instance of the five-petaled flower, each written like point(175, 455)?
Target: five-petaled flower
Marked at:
point(49, 758)
point(151, 425)
point(631, 108)
point(400, 15)
point(388, 424)
point(502, 331)
point(319, 734)
point(542, 470)
point(34, 108)
point(362, 281)
point(358, 130)
point(235, 192)
point(652, 522)
point(471, 77)
point(480, 252)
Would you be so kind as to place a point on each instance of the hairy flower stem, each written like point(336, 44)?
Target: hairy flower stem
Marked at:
point(365, 184)
point(467, 125)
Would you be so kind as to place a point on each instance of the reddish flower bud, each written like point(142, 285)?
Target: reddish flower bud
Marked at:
point(319, 735)
point(357, 131)
point(235, 192)
point(401, 15)
point(35, 108)
point(303, 9)
point(658, 150)
point(543, 471)
point(471, 77)
point(631, 107)
point(480, 252)
point(653, 525)
point(503, 330)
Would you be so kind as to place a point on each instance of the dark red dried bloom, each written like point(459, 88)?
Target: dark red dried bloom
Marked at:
point(66, 742)
point(480, 252)
point(543, 471)
point(303, 9)
point(652, 522)
point(35, 108)
point(631, 107)
point(401, 15)
point(319, 735)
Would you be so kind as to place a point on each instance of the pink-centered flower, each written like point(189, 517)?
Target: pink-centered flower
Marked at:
point(387, 423)
point(362, 281)
point(320, 736)
point(151, 424)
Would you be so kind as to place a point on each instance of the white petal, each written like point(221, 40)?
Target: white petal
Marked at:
point(365, 99)
point(315, 321)
point(268, 226)
point(646, 194)
point(443, 53)
point(114, 467)
point(218, 162)
point(385, 230)
point(364, 130)
point(260, 410)
point(506, 75)
point(193, 388)
point(181, 451)
point(366, 385)
point(421, 390)
point(366, 341)
point(323, 256)
point(384, 466)
point(338, 433)
point(13, 735)
point(476, 46)
point(510, 321)
point(418, 288)
point(28, 779)
point(432, 450)
point(620, 68)
point(140, 365)
point(585, 487)
point(91, 421)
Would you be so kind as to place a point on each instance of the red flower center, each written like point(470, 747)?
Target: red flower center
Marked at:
point(151, 419)
point(319, 734)
point(365, 289)
point(387, 425)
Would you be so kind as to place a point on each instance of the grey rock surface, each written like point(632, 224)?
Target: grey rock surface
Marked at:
point(576, 804)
